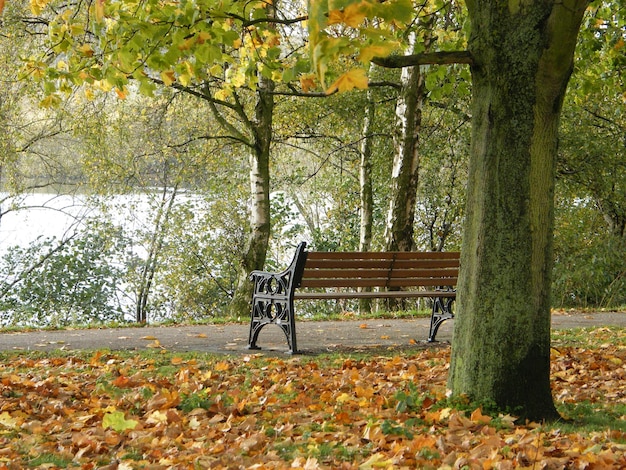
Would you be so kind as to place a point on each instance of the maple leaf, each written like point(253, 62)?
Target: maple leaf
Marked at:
point(355, 78)
point(8, 421)
point(168, 77)
point(117, 421)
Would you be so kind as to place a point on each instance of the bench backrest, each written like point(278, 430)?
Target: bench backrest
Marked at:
point(380, 269)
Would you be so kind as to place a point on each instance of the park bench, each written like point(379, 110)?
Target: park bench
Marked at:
point(352, 275)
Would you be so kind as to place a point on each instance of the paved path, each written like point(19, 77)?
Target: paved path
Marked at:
point(313, 337)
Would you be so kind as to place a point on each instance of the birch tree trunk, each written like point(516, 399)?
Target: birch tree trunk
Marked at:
point(399, 229)
point(523, 57)
point(365, 177)
point(366, 191)
point(255, 251)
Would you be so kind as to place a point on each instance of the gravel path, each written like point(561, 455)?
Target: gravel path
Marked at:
point(313, 337)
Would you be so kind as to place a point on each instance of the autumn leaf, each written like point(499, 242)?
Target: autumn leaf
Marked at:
point(116, 421)
point(8, 421)
point(352, 15)
point(168, 77)
point(355, 78)
point(307, 83)
point(99, 9)
point(367, 53)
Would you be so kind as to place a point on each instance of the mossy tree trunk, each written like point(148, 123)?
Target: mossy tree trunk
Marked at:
point(522, 59)
point(255, 251)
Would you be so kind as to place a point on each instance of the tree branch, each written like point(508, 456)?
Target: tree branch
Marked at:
point(431, 58)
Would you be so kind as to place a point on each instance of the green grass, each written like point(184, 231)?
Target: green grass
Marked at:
point(586, 417)
point(592, 338)
point(50, 460)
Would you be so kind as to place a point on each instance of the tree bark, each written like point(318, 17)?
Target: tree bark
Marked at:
point(256, 247)
point(365, 177)
point(366, 191)
point(399, 230)
point(522, 59)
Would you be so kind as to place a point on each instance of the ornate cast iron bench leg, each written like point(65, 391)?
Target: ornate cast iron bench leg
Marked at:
point(272, 300)
point(442, 311)
point(279, 312)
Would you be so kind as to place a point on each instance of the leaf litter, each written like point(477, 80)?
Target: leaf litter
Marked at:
point(166, 411)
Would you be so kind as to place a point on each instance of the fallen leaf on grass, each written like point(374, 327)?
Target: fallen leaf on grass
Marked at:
point(116, 421)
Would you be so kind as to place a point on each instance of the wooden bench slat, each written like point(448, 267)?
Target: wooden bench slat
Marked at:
point(378, 273)
point(379, 264)
point(377, 282)
point(383, 255)
point(371, 295)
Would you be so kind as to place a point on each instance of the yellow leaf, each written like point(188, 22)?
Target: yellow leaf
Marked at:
point(157, 417)
point(37, 6)
point(377, 50)
point(184, 79)
point(86, 50)
point(50, 101)
point(8, 421)
point(168, 77)
point(222, 366)
point(99, 10)
point(353, 15)
point(355, 78)
point(223, 94)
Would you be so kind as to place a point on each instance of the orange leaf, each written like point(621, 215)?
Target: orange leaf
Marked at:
point(355, 78)
point(121, 382)
point(222, 366)
point(477, 416)
point(95, 359)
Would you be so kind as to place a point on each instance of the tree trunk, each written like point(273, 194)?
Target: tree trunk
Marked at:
point(150, 266)
point(523, 57)
point(255, 252)
point(365, 177)
point(367, 193)
point(399, 230)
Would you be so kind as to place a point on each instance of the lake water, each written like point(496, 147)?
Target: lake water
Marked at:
point(37, 215)
point(31, 216)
